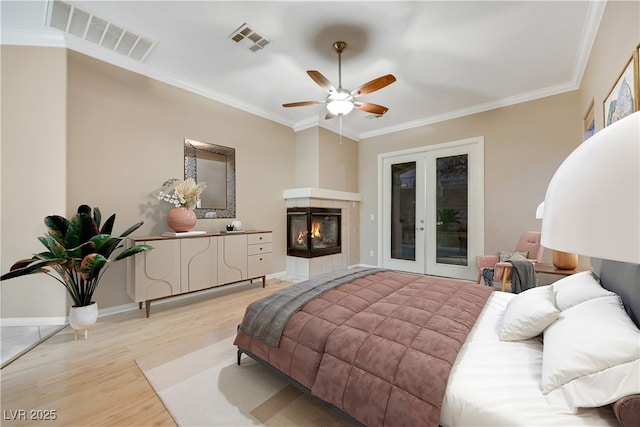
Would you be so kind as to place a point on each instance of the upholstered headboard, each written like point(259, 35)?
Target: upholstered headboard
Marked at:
point(622, 278)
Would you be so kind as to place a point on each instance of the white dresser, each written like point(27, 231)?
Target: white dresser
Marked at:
point(179, 265)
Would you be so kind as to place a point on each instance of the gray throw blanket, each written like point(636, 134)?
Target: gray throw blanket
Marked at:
point(524, 276)
point(266, 318)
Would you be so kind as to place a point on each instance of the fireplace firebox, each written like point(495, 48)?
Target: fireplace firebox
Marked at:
point(313, 232)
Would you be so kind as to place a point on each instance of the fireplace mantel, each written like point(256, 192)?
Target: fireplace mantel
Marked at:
point(320, 193)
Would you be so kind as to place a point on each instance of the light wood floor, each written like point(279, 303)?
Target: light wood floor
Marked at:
point(96, 382)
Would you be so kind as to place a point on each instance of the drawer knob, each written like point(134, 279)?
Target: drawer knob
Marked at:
point(260, 259)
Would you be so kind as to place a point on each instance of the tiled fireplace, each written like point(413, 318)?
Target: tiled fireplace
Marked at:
point(313, 232)
point(318, 225)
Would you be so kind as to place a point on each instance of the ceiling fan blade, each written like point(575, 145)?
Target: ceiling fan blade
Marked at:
point(329, 115)
point(322, 81)
point(374, 85)
point(371, 108)
point(302, 103)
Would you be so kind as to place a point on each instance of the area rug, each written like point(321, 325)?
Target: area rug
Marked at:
point(200, 384)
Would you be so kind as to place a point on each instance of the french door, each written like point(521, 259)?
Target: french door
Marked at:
point(404, 213)
point(432, 209)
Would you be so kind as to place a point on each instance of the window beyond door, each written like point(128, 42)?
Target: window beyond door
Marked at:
point(403, 211)
point(431, 208)
point(452, 209)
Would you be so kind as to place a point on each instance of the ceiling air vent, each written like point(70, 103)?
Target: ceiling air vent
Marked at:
point(80, 23)
point(249, 38)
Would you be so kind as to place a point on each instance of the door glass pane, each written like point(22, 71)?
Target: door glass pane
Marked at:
point(452, 209)
point(403, 211)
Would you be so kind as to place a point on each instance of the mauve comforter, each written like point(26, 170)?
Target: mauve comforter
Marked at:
point(380, 347)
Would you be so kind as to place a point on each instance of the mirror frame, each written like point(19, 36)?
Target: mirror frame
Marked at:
point(190, 148)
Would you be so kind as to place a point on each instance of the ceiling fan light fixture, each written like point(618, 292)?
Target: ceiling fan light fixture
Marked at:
point(339, 107)
point(340, 103)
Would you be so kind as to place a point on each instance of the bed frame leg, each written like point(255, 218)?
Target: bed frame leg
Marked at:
point(239, 356)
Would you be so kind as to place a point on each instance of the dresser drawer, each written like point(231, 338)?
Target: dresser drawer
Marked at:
point(256, 238)
point(263, 248)
point(259, 265)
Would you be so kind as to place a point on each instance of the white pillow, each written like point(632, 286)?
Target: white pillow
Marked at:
point(506, 256)
point(591, 355)
point(577, 288)
point(528, 314)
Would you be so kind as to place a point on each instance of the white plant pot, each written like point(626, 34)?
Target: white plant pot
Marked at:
point(81, 318)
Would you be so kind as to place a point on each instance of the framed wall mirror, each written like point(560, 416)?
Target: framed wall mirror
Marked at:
point(216, 166)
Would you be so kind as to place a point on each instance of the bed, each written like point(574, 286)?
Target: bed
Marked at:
point(390, 348)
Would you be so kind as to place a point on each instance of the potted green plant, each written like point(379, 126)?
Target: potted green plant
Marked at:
point(78, 251)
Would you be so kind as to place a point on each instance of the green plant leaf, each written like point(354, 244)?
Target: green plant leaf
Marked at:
point(77, 252)
point(54, 246)
point(97, 217)
point(448, 215)
point(44, 241)
point(44, 256)
point(72, 238)
point(84, 209)
point(132, 251)
point(81, 229)
point(131, 229)
point(107, 228)
point(57, 226)
point(30, 268)
point(105, 244)
point(21, 264)
point(91, 266)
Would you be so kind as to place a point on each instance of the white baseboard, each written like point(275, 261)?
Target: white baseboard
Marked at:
point(33, 321)
point(40, 321)
point(364, 265)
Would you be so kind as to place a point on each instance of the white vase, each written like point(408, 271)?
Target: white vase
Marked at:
point(81, 318)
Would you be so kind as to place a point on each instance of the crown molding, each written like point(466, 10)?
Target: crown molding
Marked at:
point(53, 38)
point(56, 38)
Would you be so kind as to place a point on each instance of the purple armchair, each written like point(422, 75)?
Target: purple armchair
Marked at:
point(529, 242)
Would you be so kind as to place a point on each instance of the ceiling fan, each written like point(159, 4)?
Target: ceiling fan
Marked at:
point(341, 102)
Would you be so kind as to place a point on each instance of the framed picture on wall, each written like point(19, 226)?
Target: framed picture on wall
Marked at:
point(589, 127)
point(623, 96)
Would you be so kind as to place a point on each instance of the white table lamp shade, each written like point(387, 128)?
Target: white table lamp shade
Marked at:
point(592, 204)
point(540, 211)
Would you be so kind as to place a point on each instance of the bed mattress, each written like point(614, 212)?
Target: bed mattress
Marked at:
point(497, 383)
point(379, 348)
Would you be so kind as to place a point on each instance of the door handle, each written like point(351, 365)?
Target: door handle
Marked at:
point(419, 228)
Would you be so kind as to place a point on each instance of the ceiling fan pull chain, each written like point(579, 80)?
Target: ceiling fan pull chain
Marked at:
point(340, 128)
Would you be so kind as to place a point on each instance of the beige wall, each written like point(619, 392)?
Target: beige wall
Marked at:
point(126, 132)
point(76, 130)
point(324, 160)
point(33, 171)
point(124, 136)
point(523, 145)
point(618, 36)
point(338, 162)
point(306, 161)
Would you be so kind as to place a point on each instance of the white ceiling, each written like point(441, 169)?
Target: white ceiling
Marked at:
point(450, 58)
